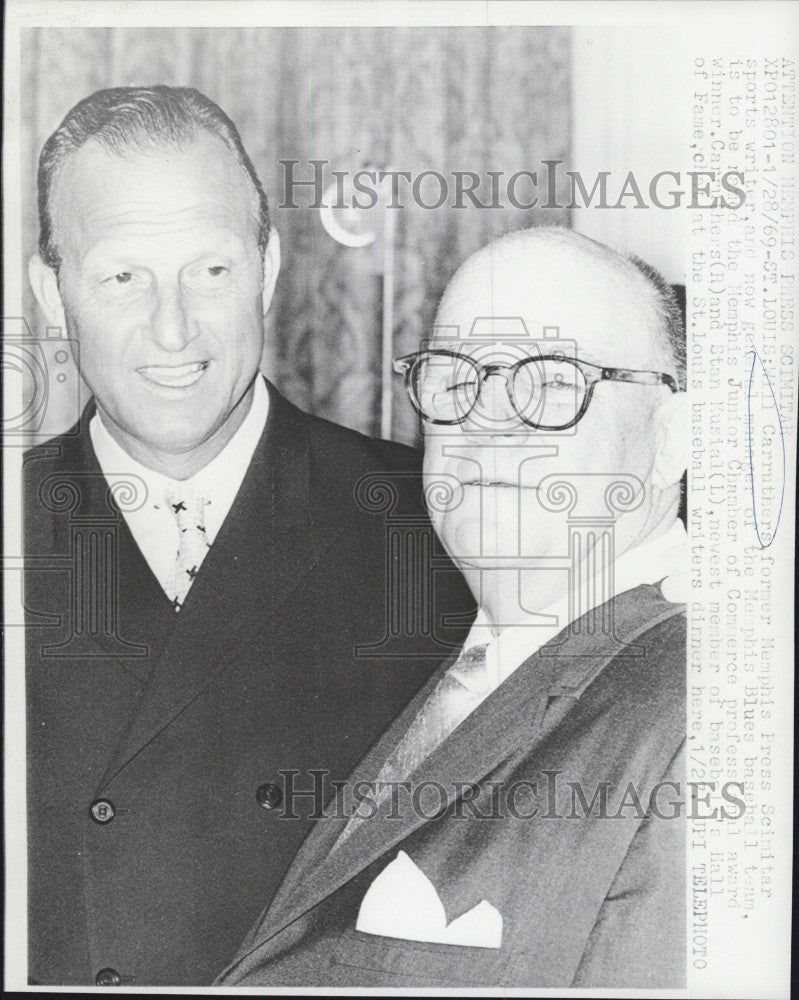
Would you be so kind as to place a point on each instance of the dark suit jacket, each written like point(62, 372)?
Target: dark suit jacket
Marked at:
point(588, 897)
point(183, 722)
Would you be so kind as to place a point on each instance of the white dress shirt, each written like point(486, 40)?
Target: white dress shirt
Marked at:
point(153, 525)
point(662, 558)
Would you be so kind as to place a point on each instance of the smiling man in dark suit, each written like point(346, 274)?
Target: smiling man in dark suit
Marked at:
point(522, 823)
point(207, 565)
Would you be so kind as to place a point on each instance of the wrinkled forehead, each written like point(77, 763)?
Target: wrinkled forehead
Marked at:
point(590, 306)
point(133, 195)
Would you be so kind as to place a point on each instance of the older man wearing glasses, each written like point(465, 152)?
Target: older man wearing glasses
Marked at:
point(521, 823)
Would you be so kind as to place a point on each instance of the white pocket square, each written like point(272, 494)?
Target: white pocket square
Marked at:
point(402, 902)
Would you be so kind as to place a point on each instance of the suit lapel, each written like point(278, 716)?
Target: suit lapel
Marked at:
point(127, 600)
point(268, 542)
point(511, 717)
point(316, 847)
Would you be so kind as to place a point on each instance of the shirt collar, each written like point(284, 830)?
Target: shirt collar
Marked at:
point(214, 480)
point(652, 560)
point(649, 562)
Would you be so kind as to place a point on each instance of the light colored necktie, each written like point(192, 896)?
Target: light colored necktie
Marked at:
point(188, 508)
point(460, 690)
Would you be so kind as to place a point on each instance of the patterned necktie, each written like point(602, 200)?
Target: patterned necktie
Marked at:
point(459, 691)
point(189, 509)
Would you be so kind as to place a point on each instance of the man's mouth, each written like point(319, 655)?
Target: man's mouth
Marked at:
point(501, 483)
point(487, 482)
point(174, 376)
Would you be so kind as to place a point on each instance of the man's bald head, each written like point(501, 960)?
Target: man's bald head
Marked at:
point(555, 277)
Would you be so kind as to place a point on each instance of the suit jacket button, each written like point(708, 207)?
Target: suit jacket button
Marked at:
point(269, 795)
point(108, 977)
point(102, 811)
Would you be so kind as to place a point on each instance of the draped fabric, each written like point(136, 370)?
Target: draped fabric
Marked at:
point(411, 99)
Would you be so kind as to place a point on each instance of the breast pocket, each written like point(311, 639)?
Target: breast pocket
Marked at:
point(415, 963)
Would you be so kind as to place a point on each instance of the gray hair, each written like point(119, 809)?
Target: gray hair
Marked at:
point(669, 314)
point(137, 119)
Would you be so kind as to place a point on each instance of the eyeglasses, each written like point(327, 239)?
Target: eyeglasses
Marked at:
point(550, 392)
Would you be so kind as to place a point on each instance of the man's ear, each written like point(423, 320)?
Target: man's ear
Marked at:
point(671, 458)
point(44, 285)
point(271, 268)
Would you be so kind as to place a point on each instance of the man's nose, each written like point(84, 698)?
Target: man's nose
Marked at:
point(169, 324)
point(494, 415)
point(494, 410)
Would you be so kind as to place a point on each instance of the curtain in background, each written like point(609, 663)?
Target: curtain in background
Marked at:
point(412, 99)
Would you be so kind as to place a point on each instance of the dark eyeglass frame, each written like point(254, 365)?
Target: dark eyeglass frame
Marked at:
point(593, 375)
